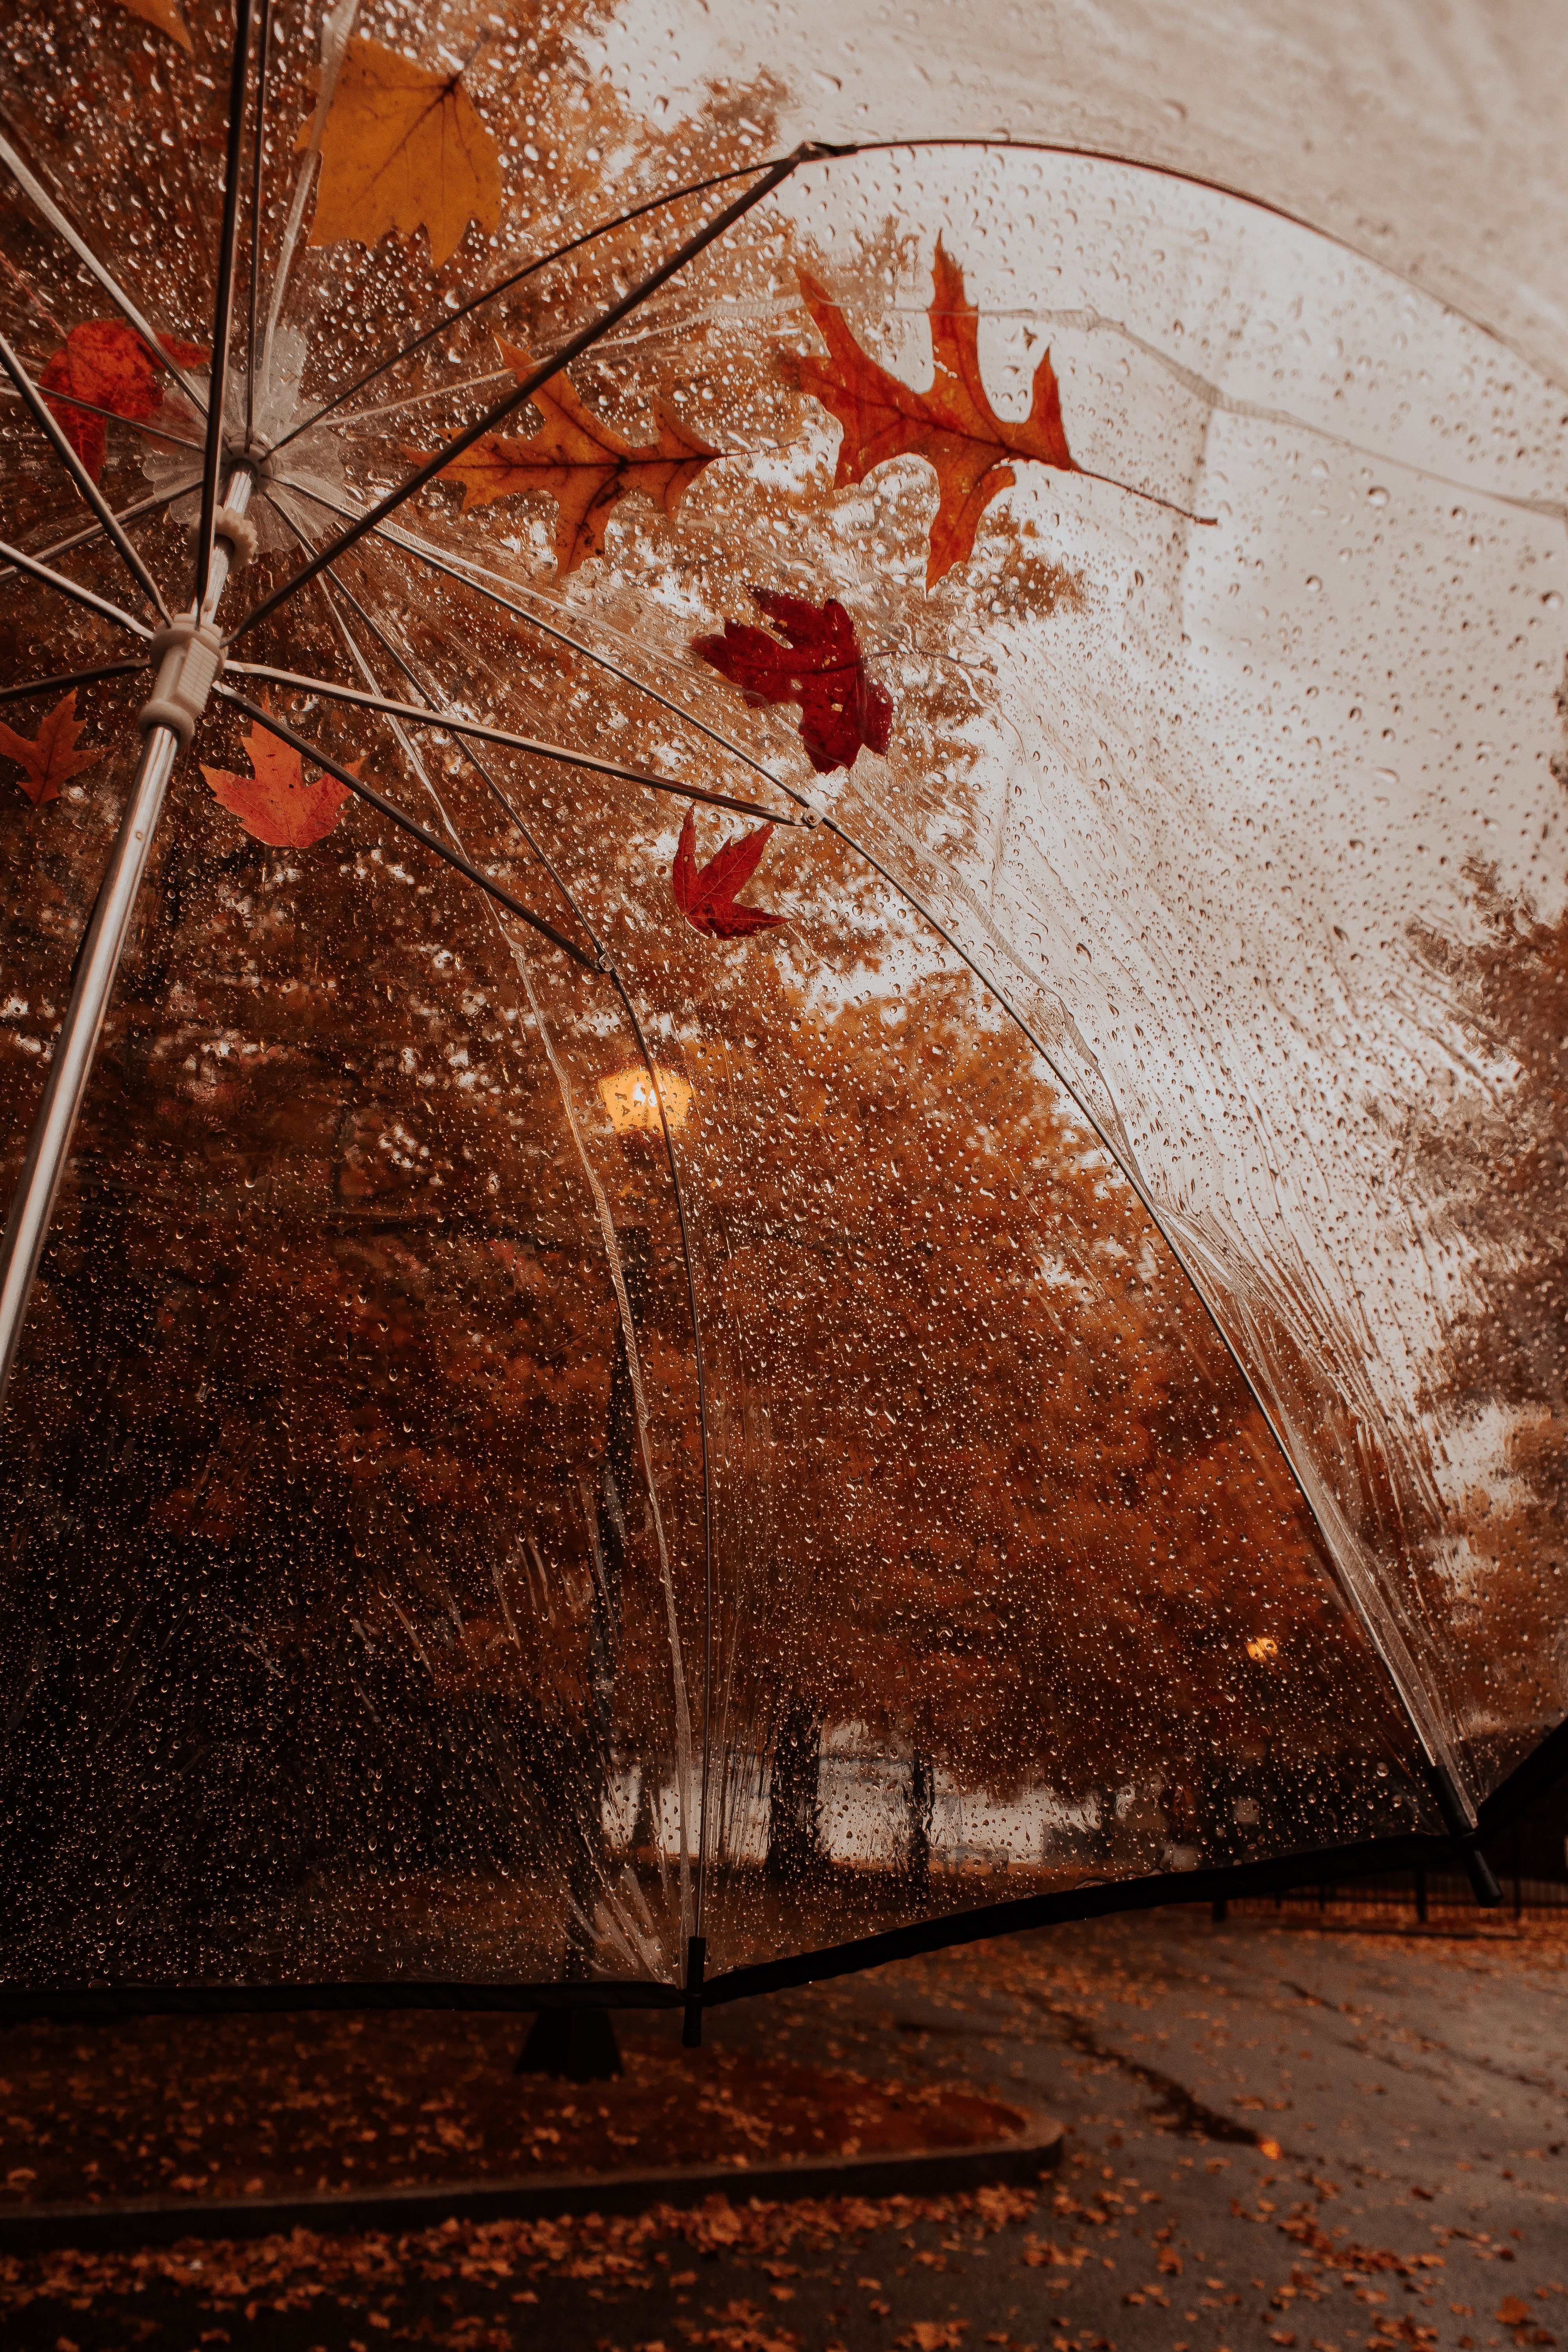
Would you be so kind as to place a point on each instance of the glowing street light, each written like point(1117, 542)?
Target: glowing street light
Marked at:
point(632, 1104)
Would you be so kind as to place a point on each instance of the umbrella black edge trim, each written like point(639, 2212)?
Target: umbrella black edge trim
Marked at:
point(1547, 1764)
point(95, 2004)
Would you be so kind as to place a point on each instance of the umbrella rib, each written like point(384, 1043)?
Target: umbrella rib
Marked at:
point(652, 1068)
point(126, 514)
point(32, 187)
point(113, 417)
point(70, 678)
point(71, 588)
point(336, 26)
point(574, 348)
point(399, 535)
point(108, 519)
point(223, 300)
point(263, 58)
point(1385, 1639)
point(415, 714)
point(607, 962)
point(333, 584)
point(404, 823)
point(411, 750)
point(504, 286)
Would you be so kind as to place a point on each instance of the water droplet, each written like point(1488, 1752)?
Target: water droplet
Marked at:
point(1377, 496)
point(1314, 584)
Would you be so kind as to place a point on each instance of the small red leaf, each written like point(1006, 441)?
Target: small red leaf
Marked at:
point(706, 898)
point(276, 805)
point(107, 361)
point(819, 666)
point(51, 759)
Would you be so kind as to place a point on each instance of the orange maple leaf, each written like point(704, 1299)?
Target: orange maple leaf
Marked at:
point(106, 361)
point(402, 149)
point(51, 759)
point(580, 461)
point(952, 426)
point(276, 805)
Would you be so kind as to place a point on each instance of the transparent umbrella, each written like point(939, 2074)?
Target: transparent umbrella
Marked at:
point(785, 981)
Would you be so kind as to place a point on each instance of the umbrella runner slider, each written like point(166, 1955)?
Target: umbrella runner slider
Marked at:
point(190, 652)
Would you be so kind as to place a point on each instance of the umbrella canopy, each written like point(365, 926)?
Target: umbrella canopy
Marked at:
point(785, 822)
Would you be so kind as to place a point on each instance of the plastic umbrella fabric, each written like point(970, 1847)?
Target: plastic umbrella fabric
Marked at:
point(785, 985)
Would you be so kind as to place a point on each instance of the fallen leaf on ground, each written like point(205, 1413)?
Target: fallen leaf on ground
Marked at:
point(106, 361)
point(579, 461)
point(51, 759)
point(402, 149)
point(164, 15)
point(706, 897)
point(276, 805)
point(819, 666)
point(952, 426)
point(1513, 2312)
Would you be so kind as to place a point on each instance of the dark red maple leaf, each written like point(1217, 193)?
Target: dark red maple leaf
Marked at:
point(706, 899)
point(106, 362)
point(818, 666)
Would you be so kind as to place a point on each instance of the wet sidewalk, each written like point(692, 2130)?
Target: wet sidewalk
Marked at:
point(1278, 2137)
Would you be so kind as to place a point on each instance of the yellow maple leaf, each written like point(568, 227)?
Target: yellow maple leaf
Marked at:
point(402, 149)
point(581, 462)
point(166, 16)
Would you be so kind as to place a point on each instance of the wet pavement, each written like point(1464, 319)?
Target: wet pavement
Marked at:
point(1278, 2136)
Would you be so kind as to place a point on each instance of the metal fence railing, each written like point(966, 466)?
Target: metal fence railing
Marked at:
point(1423, 1896)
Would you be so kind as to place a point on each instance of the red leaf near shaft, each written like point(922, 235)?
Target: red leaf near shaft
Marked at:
point(276, 805)
point(107, 361)
point(51, 758)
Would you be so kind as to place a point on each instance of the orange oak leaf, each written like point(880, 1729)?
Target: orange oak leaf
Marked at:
point(164, 15)
point(706, 899)
point(107, 361)
point(51, 759)
point(276, 805)
point(820, 667)
point(402, 149)
point(953, 424)
point(581, 462)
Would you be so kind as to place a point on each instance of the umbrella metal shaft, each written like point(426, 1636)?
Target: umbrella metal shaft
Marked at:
point(33, 1205)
